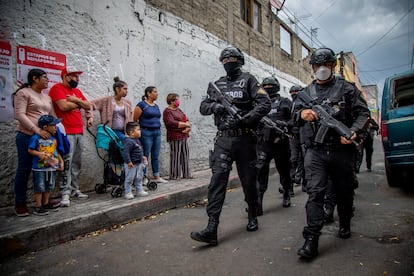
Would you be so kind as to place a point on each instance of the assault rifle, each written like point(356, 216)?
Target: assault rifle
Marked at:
point(326, 120)
point(233, 111)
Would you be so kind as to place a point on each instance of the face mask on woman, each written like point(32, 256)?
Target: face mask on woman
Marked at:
point(177, 103)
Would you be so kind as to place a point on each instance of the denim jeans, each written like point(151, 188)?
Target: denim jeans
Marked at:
point(24, 167)
point(133, 177)
point(151, 143)
point(68, 179)
point(43, 181)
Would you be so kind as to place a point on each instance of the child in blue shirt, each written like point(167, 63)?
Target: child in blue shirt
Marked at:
point(134, 160)
point(46, 160)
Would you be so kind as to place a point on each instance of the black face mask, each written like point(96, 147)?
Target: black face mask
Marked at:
point(271, 91)
point(293, 96)
point(73, 83)
point(232, 68)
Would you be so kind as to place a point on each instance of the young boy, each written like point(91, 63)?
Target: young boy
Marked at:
point(46, 161)
point(134, 160)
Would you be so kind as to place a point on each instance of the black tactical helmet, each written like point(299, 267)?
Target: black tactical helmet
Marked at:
point(271, 81)
point(232, 51)
point(274, 86)
point(322, 55)
point(295, 88)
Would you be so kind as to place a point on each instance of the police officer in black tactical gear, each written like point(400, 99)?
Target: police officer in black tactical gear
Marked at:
point(333, 158)
point(297, 172)
point(234, 141)
point(274, 145)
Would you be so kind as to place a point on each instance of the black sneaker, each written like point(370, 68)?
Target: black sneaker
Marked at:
point(51, 207)
point(40, 211)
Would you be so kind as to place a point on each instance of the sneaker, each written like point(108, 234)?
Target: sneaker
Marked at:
point(79, 195)
point(160, 180)
point(51, 207)
point(65, 202)
point(142, 193)
point(55, 202)
point(40, 211)
point(21, 210)
point(129, 196)
point(145, 181)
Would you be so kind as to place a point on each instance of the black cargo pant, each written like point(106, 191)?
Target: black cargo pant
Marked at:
point(368, 146)
point(296, 158)
point(320, 163)
point(242, 150)
point(280, 152)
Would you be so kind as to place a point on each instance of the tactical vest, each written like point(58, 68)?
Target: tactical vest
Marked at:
point(334, 97)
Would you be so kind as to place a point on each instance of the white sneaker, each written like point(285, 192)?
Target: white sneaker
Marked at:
point(65, 202)
point(142, 193)
point(129, 196)
point(160, 180)
point(79, 194)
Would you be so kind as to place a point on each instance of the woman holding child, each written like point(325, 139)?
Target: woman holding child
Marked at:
point(30, 103)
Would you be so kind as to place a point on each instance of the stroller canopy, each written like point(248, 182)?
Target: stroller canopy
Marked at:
point(104, 135)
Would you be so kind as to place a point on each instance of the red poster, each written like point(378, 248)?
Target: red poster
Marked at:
point(6, 82)
point(52, 63)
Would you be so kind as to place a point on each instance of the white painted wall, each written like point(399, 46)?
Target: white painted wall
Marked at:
point(123, 38)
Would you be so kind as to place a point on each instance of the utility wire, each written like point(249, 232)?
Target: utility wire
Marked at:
point(385, 34)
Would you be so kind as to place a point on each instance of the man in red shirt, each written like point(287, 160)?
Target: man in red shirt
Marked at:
point(68, 102)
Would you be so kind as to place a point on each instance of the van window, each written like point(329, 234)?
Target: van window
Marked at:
point(403, 92)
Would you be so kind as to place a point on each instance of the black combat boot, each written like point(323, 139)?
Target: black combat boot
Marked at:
point(208, 235)
point(344, 229)
point(309, 249)
point(253, 224)
point(286, 202)
point(286, 199)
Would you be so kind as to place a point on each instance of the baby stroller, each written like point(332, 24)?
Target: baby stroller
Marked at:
point(114, 174)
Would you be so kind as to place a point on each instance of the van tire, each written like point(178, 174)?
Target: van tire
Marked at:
point(393, 178)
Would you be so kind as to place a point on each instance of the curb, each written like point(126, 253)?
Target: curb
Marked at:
point(22, 235)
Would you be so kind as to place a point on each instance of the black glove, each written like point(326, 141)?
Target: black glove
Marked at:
point(247, 119)
point(218, 108)
point(231, 123)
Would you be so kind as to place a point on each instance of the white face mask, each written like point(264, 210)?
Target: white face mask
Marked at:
point(323, 73)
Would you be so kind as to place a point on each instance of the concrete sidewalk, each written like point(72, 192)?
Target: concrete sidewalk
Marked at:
point(19, 235)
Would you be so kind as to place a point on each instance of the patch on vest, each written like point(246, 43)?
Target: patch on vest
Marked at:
point(261, 91)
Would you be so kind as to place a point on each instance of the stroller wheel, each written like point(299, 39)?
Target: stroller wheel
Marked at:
point(113, 192)
point(118, 192)
point(100, 188)
point(152, 185)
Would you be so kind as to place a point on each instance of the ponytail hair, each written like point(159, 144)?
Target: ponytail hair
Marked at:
point(147, 91)
point(118, 83)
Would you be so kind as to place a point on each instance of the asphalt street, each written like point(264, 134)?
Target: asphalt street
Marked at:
point(382, 241)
